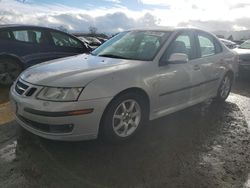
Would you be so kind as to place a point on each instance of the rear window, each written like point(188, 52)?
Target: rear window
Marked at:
point(30, 36)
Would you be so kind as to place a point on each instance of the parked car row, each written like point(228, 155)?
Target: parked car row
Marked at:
point(93, 42)
point(230, 44)
point(24, 46)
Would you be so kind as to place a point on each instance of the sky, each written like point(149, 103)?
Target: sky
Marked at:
point(111, 16)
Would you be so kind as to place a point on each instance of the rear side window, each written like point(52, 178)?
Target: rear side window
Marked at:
point(207, 47)
point(30, 36)
point(65, 40)
point(5, 35)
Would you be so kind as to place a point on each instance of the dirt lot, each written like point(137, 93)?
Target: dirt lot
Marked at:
point(204, 146)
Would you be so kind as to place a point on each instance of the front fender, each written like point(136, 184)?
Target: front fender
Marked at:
point(143, 77)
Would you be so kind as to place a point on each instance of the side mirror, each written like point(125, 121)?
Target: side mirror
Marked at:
point(177, 58)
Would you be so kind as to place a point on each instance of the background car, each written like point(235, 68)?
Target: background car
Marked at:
point(89, 43)
point(24, 46)
point(135, 76)
point(230, 44)
point(102, 39)
point(244, 56)
point(94, 41)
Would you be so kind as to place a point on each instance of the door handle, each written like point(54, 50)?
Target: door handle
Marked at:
point(196, 67)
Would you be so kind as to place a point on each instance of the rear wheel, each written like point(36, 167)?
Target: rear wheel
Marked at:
point(225, 88)
point(9, 70)
point(124, 117)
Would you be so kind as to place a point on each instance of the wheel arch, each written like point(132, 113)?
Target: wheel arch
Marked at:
point(14, 57)
point(138, 91)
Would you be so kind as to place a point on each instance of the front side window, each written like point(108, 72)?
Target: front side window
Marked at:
point(63, 40)
point(136, 45)
point(182, 44)
point(30, 36)
point(207, 47)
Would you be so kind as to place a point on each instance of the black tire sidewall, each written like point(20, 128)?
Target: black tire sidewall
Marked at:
point(219, 97)
point(107, 131)
point(12, 61)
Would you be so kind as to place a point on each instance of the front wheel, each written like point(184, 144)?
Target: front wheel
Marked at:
point(124, 117)
point(225, 88)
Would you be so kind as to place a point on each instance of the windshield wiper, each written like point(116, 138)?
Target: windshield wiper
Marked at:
point(112, 56)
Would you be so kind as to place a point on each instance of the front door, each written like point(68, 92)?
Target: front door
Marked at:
point(179, 83)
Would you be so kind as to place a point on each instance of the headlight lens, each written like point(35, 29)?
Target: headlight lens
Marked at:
point(59, 94)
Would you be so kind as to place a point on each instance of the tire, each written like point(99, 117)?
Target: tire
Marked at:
point(119, 122)
point(9, 71)
point(225, 88)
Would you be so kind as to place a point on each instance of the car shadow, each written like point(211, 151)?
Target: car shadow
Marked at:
point(241, 86)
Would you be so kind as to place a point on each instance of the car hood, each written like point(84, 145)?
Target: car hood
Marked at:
point(76, 71)
point(242, 51)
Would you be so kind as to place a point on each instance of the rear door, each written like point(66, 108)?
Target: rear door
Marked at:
point(27, 44)
point(209, 62)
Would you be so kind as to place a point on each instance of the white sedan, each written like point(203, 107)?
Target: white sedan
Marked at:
point(136, 76)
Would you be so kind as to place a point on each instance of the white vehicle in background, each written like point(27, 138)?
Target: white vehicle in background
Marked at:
point(136, 76)
point(230, 44)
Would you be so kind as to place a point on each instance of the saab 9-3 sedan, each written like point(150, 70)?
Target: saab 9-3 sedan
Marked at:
point(136, 76)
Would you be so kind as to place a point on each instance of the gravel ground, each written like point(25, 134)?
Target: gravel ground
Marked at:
point(207, 145)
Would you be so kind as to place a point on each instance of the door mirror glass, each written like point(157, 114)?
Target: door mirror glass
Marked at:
point(176, 58)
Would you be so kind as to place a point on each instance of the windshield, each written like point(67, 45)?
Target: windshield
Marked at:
point(245, 45)
point(135, 45)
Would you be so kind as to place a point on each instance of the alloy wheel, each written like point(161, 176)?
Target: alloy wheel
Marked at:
point(225, 87)
point(126, 118)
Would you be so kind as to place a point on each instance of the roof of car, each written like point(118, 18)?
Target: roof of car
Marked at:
point(23, 26)
point(162, 28)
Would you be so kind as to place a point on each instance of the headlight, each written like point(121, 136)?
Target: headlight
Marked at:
point(59, 94)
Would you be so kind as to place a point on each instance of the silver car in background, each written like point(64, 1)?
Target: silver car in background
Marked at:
point(244, 56)
point(230, 44)
point(136, 76)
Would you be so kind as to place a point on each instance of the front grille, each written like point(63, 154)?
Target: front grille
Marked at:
point(66, 128)
point(21, 87)
point(24, 89)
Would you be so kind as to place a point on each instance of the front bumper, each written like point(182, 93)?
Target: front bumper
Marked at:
point(59, 127)
point(244, 67)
